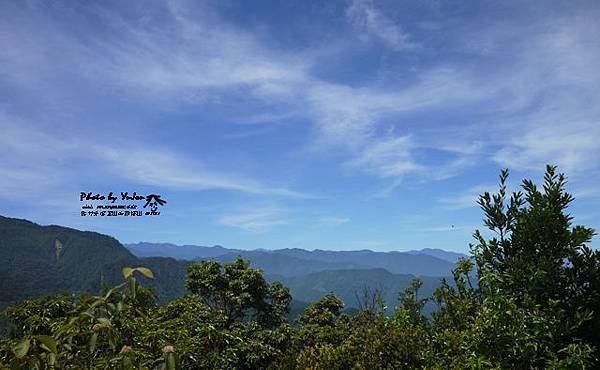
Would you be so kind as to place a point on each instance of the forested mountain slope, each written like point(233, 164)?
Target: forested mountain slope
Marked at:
point(38, 260)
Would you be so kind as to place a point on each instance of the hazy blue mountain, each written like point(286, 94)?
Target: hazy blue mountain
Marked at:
point(428, 262)
point(182, 252)
point(347, 284)
point(38, 260)
point(441, 254)
point(275, 263)
point(394, 262)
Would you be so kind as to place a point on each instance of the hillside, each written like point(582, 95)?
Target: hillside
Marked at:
point(291, 262)
point(180, 252)
point(46, 259)
point(38, 260)
point(347, 284)
point(440, 253)
point(280, 264)
point(394, 262)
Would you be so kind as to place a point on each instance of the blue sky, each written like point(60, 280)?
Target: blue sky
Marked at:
point(269, 124)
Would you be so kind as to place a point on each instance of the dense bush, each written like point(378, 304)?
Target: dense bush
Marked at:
point(528, 298)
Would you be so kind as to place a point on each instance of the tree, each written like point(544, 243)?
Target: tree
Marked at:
point(79, 332)
point(323, 312)
point(537, 254)
point(536, 287)
point(240, 291)
point(534, 303)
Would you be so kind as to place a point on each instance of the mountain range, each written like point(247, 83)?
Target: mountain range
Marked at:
point(293, 262)
point(350, 285)
point(40, 260)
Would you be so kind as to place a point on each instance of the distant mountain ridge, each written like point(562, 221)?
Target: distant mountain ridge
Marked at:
point(350, 284)
point(182, 252)
point(281, 264)
point(441, 254)
point(291, 262)
point(38, 260)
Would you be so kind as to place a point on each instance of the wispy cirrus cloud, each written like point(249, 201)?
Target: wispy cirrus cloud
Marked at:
point(372, 22)
point(195, 57)
point(34, 161)
point(442, 229)
point(256, 220)
point(553, 76)
point(30, 160)
point(573, 146)
point(333, 220)
point(468, 198)
point(202, 97)
point(388, 158)
point(167, 169)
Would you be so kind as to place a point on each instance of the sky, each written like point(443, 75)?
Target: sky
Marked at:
point(337, 125)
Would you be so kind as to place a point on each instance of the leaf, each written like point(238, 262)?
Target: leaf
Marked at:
point(127, 271)
point(132, 285)
point(171, 361)
point(111, 291)
point(111, 343)
point(146, 272)
point(87, 313)
point(93, 340)
point(52, 359)
point(48, 341)
point(22, 348)
point(104, 320)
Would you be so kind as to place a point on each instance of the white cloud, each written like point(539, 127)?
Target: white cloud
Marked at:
point(333, 220)
point(350, 118)
point(586, 193)
point(254, 220)
point(441, 229)
point(468, 198)
point(167, 169)
point(553, 89)
point(183, 59)
point(373, 23)
point(34, 161)
point(350, 114)
point(197, 57)
point(387, 158)
point(30, 161)
point(573, 146)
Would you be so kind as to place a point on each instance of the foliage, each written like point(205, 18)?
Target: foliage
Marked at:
point(527, 298)
point(40, 260)
point(240, 291)
point(539, 258)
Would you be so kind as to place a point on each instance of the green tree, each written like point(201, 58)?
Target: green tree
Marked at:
point(537, 254)
point(81, 332)
point(527, 298)
point(536, 292)
point(323, 312)
point(240, 291)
